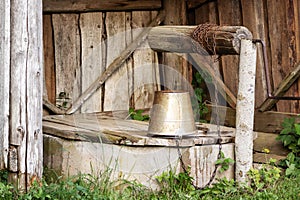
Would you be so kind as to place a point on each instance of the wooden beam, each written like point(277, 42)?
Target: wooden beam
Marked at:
point(114, 65)
point(269, 121)
point(282, 88)
point(178, 39)
point(96, 5)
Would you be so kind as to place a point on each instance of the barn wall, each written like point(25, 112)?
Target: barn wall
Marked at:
point(80, 46)
point(275, 22)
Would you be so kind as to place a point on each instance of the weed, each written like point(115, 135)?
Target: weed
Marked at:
point(224, 163)
point(290, 137)
point(172, 184)
point(138, 115)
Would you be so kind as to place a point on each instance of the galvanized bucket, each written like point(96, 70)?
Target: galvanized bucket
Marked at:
point(171, 114)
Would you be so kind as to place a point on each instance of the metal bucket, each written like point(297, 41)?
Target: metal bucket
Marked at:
point(171, 114)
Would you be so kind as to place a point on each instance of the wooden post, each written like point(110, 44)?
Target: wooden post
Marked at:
point(245, 110)
point(26, 85)
point(4, 81)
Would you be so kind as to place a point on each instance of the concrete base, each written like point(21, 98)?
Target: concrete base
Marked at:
point(140, 163)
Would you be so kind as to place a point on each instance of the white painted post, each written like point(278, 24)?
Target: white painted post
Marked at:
point(4, 80)
point(25, 156)
point(245, 110)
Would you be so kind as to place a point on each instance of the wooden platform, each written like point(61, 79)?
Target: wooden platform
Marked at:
point(97, 141)
point(90, 143)
point(115, 128)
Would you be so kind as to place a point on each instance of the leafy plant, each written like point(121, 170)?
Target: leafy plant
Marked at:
point(290, 137)
point(198, 104)
point(138, 115)
point(171, 182)
point(224, 163)
point(265, 177)
point(221, 187)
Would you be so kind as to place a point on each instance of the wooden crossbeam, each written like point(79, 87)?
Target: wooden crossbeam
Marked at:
point(96, 5)
point(114, 65)
point(282, 88)
point(225, 40)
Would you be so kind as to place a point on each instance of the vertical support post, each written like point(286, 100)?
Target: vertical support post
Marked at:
point(25, 156)
point(245, 110)
point(4, 80)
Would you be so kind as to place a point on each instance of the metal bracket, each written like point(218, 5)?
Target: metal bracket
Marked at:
point(267, 74)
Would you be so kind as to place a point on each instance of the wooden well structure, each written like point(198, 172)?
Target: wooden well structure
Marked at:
point(89, 45)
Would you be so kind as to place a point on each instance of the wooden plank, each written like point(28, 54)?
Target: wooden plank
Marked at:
point(49, 60)
point(254, 18)
point(91, 27)
point(207, 13)
point(297, 38)
point(5, 80)
point(95, 5)
point(175, 15)
point(114, 65)
point(25, 91)
point(229, 14)
point(67, 55)
point(282, 88)
point(265, 158)
point(146, 71)
point(279, 50)
point(102, 128)
point(194, 4)
point(116, 96)
point(269, 121)
point(268, 141)
point(293, 48)
point(177, 39)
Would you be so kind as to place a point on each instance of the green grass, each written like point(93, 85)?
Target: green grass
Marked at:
point(173, 187)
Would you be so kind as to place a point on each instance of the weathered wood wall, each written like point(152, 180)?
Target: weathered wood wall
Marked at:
point(79, 46)
point(276, 23)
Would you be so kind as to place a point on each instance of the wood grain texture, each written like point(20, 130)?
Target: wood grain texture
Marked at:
point(116, 95)
point(5, 80)
point(225, 40)
point(175, 65)
point(49, 59)
point(146, 71)
point(91, 26)
point(230, 14)
point(25, 90)
point(104, 128)
point(115, 65)
point(282, 88)
point(279, 50)
point(207, 13)
point(293, 17)
point(67, 54)
point(95, 5)
point(254, 18)
point(269, 121)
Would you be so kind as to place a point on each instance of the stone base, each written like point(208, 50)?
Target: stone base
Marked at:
point(140, 163)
